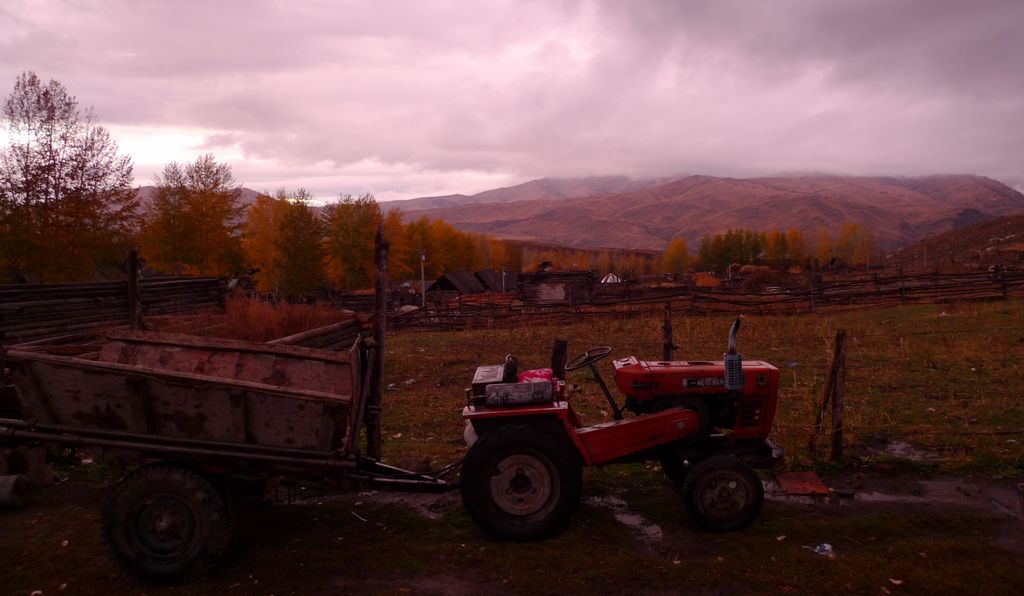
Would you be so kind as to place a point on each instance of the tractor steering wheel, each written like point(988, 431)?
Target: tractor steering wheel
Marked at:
point(589, 357)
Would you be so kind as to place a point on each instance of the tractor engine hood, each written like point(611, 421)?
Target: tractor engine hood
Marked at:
point(645, 380)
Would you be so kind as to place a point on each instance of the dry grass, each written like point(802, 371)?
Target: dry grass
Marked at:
point(945, 379)
point(254, 320)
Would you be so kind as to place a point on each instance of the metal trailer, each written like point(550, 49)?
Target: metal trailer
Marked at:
point(204, 420)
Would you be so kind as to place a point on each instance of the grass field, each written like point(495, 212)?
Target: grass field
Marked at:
point(940, 384)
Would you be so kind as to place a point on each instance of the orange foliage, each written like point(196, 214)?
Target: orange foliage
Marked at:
point(253, 320)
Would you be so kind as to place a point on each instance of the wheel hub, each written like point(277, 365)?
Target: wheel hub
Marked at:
point(165, 525)
point(521, 484)
point(725, 495)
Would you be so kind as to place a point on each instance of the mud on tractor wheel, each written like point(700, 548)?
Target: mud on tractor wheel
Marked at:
point(166, 523)
point(723, 493)
point(521, 482)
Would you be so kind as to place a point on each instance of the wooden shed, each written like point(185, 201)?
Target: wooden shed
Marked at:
point(463, 282)
point(553, 287)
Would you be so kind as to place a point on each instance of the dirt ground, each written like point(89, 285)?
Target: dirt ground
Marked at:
point(928, 497)
point(893, 532)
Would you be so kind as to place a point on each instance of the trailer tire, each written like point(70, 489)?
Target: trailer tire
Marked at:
point(166, 523)
point(723, 493)
point(521, 482)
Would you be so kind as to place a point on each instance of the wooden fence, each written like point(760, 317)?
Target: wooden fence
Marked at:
point(33, 311)
point(823, 294)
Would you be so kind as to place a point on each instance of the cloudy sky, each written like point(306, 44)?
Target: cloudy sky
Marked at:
point(413, 98)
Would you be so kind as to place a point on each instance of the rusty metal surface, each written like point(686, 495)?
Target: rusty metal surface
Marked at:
point(801, 483)
point(199, 388)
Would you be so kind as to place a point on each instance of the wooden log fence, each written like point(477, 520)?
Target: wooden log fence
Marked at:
point(824, 295)
point(33, 311)
point(337, 336)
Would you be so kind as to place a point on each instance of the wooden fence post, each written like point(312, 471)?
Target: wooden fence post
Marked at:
point(838, 390)
point(835, 376)
point(667, 346)
point(810, 283)
point(373, 404)
point(134, 293)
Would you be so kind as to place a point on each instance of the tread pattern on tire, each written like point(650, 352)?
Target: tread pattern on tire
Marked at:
point(186, 482)
point(506, 440)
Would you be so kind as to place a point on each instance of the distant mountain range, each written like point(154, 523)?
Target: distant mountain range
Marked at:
point(146, 194)
point(619, 212)
point(998, 240)
point(616, 212)
point(535, 190)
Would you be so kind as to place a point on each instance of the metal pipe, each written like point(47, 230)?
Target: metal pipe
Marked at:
point(616, 411)
point(732, 336)
point(67, 439)
point(178, 441)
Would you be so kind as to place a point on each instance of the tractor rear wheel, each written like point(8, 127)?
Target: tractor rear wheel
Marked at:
point(723, 493)
point(166, 523)
point(521, 482)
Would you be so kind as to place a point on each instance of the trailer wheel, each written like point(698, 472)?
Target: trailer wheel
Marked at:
point(521, 482)
point(723, 493)
point(166, 523)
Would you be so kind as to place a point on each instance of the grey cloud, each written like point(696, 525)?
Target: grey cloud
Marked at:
point(526, 89)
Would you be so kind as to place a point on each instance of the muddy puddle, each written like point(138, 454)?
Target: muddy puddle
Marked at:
point(1003, 499)
point(643, 527)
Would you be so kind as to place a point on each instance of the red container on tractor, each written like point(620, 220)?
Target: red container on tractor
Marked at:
point(707, 422)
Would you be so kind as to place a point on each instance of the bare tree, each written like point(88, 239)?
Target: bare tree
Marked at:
point(66, 196)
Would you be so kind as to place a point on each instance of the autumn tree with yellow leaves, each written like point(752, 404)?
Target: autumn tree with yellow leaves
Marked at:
point(282, 243)
point(193, 223)
point(677, 257)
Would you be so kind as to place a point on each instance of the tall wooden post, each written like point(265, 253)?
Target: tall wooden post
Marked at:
point(134, 293)
point(837, 398)
point(380, 311)
point(667, 346)
point(836, 376)
point(810, 289)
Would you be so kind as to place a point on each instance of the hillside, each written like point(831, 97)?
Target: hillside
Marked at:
point(145, 194)
point(898, 210)
point(995, 241)
point(534, 190)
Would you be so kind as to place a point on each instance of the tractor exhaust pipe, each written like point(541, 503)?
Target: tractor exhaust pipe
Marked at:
point(733, 362)
point(732, 336)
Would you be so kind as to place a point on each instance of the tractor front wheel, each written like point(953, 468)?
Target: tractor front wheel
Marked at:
point(723, 493)
point(521, 482)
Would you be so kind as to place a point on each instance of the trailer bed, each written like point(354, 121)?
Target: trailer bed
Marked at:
point(168, 386)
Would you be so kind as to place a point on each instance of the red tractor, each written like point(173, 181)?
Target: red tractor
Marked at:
point(706, 422)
